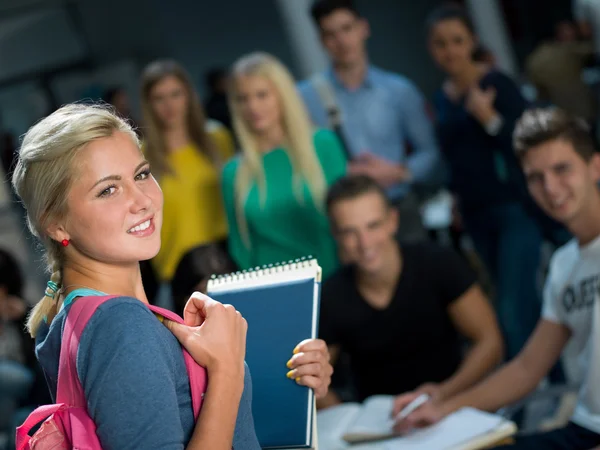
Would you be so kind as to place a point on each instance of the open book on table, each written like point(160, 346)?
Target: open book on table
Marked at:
point(370, 425)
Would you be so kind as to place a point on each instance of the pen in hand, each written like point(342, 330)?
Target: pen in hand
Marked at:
point(411, 407)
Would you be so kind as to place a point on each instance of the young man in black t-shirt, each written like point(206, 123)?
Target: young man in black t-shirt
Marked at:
point(401, 311)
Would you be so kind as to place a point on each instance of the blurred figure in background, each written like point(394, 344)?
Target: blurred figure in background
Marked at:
point(16, 349)
point(562, 167)
point(555, 68)
point(484, 55)
point(8, 157)
point(384, 122)
point(216, 106)
point(7, 152)
point(477, 108)
point(587, 15)
point(186, 155)
point(275, 190)
point(401, 305)
point(195, 269)
point(119, 99)
point(22, 383)
point(566, 31)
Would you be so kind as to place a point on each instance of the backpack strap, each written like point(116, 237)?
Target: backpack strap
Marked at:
point(69, 388)
point(327, 96)
point(35, 418)
point(334, 114)
point(198, 375)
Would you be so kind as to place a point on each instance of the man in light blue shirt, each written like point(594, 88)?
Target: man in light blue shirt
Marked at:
point(382, 114)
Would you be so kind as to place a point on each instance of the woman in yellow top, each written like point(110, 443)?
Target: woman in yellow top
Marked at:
point(186, 153)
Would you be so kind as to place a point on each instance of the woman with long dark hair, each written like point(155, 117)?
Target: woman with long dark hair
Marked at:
point(476, 110)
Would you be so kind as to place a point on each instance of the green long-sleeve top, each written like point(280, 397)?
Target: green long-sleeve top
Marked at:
point(281, 228)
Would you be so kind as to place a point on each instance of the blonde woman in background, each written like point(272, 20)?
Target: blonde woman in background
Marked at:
point(274, 192)
point(186, 153)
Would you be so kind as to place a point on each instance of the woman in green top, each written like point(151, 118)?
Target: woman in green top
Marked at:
point(274, 191)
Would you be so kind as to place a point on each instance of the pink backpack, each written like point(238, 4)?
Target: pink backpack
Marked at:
point(67, 425)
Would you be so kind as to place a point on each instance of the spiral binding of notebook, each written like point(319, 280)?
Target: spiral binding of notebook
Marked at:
point(307, 267)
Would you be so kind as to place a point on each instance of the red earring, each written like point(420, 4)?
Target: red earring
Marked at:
point(65, 242)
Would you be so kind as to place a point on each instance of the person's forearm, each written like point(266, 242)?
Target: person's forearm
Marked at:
point(481, 359)
point(486, 115)
point(216, 423)
point(330, 399)
point(509, 384)
point(424, 166)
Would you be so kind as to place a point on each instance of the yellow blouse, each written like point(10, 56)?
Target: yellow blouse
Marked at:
point(193, 212)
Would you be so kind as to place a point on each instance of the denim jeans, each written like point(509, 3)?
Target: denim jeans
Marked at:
point(509, 242)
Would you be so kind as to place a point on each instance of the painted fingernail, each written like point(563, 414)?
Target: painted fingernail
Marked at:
point(296, 350)
point(289, 364)
point(290, 374)
point(298, 380)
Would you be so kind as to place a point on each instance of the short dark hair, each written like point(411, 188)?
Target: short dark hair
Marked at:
point(449, 11)
point(540, 125)
point(213, 76)
point(11, 276)
point(323, 8)
point(111, 93)
point(352, 186)
point(196, 265)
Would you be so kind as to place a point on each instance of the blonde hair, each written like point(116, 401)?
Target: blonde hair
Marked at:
point(298, 133)
point(155, 147)
point(43, 176)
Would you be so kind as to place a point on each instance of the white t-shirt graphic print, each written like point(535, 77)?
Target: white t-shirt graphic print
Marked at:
point(571, 298)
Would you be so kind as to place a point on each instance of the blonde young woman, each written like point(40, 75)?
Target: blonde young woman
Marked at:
point(187, 153)
point(92, 201)
point(274, 192)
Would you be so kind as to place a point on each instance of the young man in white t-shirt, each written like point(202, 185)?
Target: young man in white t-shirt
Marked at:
point(562, 168)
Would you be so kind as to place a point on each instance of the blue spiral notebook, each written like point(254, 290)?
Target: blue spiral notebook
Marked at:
point(281, 305)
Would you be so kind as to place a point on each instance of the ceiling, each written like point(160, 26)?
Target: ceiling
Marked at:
point(36, 35)
point(8, 7)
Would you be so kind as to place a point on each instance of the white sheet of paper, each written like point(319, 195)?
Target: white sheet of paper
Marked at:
point(463, 426)
point(333, 422)
point(460, 427)
point(375, 416)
